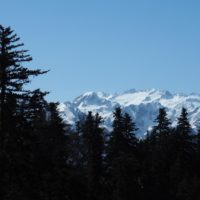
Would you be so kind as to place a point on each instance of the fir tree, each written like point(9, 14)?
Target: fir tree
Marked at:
point(93, 143)
point(122, 158)
point(13, 75)
point(159, 157)
point(184, 139)
point(183, 148)
point(52, 156)
point(15, 155)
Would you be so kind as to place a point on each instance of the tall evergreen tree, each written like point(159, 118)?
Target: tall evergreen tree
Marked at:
point(13, 75)
point(158, 157)
point(183, 147)
point(123, 137)
point(122, 159)
point(52, 156)
point(184, 139)
point(93, 143)
point(14, 156)
point(77, 176)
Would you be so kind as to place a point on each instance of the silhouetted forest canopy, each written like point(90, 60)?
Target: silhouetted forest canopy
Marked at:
point(41, 157)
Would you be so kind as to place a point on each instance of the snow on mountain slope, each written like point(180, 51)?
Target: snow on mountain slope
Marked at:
point(142, 105)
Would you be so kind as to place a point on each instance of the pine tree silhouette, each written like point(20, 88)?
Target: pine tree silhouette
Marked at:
point(122, 158)
point(93, 143)
point(15, 153)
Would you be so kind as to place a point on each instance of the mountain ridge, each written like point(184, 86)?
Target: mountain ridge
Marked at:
point(142, 105)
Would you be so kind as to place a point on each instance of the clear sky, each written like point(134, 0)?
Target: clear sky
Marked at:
point(109, 45)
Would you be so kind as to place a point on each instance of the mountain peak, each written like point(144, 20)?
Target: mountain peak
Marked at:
point(142, 105)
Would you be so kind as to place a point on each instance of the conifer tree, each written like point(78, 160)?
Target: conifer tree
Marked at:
point(122, 159)
point(184, 138)
point(163, 123)
point(159, 157)
point(13, 74)
point(15, 156)
point(129, 130)
point(77, 160)
point(93, 143)
point(183, 149)
point(123, 135)
point(52, 156)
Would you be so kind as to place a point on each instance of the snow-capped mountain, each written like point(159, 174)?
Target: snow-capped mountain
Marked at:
point(142, 105)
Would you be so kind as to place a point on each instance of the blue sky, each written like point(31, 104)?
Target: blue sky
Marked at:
point(109, 45)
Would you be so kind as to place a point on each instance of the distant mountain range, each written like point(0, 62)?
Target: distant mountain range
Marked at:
point(142, 105)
